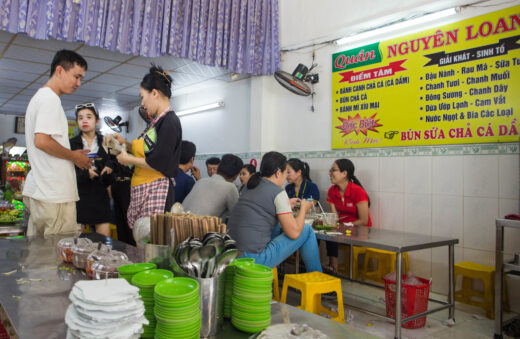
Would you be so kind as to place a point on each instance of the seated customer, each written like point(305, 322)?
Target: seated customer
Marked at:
point(300, 183)
point(246, 172)
point(218, 194)
point(184, 182)
point(348, 199)
point(263, 210)
point(212, 165)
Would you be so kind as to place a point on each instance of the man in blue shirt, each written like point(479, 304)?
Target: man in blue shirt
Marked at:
point(184, 182)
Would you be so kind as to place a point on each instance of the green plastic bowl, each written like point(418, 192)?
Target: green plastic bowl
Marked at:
point(177, 288)
point(255, 271)
point(132, 269)
point(150, 278)
point(172, 312)
point(249, 317)
point(178, 323)
point(238, 325)
point(244, 280)
point(242, 261)
point(178, 303)
point(252, 305)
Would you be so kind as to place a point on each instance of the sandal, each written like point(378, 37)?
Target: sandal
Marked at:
point(329, 269)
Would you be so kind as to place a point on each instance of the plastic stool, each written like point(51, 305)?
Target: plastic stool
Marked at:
point(356, 251)
point(312, 285)
point(385, 264)
point(276, 287)
point(469, 271)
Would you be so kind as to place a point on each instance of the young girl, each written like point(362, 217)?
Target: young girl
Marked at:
point(348, 199)
point(156, 152)
point(93, 207)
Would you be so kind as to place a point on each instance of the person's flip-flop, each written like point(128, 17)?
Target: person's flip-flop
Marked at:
point(329, 269)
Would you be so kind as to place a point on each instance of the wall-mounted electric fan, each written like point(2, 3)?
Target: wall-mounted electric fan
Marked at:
point(144, 115)
point(116, 124)
point(295, 82)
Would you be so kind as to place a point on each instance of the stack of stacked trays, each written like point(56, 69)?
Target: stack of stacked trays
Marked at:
point(128, 271)
point(251, 301)
point(146, 281)
point(110, 308)
point(177, 308)
point(229, 274)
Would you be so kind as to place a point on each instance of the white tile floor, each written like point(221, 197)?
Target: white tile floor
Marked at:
point(470, 322)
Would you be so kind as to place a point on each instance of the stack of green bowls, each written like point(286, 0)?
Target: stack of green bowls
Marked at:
point(146, 281)
point(177, 308)
point(251, 301)
point(228, 290)
point(128, 271)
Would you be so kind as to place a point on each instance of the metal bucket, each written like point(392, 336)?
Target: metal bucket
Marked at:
point(157, 254)
point(211, 304)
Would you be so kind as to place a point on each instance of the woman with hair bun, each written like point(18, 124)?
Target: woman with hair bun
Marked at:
point(156, 151)
point(264, 210)
point(348, 199)
point(300, 184)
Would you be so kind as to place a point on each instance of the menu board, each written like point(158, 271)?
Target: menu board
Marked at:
point(455, 84)
point(73, 128)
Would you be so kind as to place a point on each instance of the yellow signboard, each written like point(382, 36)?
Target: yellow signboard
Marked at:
point(454, 84)
point(73, 128)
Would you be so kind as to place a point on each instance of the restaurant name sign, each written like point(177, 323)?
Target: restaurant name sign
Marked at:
point(454, 84)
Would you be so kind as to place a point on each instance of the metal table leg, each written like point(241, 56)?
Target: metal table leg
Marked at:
point(398, 296)
point(297, 261)
point(350, 260)
point(499, 257)
point(451, 290)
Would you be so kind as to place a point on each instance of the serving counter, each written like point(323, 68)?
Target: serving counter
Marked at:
point(35, 286)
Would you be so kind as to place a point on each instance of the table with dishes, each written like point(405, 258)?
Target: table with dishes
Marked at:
point(36, 298)
point(398, 242)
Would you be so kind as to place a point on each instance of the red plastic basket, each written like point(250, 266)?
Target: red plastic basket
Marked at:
point(414, 300)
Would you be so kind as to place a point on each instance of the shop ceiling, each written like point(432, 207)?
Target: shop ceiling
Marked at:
point(112, 80)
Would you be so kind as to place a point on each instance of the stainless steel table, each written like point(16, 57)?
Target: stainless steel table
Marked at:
point(398, 242)
point(36, 308)
point(500, 266)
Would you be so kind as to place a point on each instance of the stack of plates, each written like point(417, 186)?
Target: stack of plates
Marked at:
point(251, 301)
point(108, 308)
point(177, 308)
point(228, 290)
point(146, 281)
point(128, 271)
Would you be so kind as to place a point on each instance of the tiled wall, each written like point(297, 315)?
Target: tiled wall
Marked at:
point(452, 191)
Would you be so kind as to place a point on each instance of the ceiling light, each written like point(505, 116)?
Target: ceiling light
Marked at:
point(395, 26)
point(201, 108)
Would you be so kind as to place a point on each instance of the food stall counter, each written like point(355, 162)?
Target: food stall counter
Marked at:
point(35, 286)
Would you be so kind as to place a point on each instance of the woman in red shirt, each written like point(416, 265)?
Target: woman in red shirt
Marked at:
point(348, 199)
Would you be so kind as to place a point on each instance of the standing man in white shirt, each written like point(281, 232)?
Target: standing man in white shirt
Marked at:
point(50, 191)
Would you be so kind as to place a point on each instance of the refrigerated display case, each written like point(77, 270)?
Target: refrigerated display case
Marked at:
point(14, 173)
